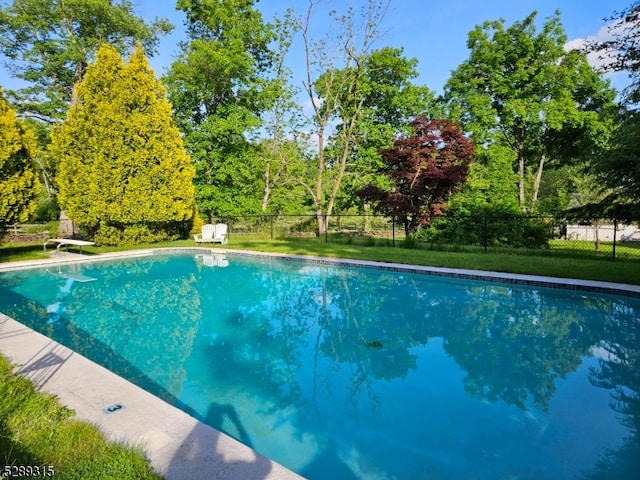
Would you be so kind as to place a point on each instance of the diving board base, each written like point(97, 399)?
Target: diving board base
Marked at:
point(67, 241)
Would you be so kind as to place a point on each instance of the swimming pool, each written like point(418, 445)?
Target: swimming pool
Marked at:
point(345, 372)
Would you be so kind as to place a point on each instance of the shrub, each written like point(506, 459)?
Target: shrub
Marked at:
point(516, 231)
point(48, 210)
point(114, 234)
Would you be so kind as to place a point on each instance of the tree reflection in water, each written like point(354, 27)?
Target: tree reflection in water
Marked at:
point(619, 372)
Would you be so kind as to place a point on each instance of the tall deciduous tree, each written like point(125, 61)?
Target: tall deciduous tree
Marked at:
point(218, 88)
point(618, 170)
point(19, 186)
point(124, 174)
point(521, 89)
point(424, 168)
point(280, 158)
point(334, 89)
point(49, 43)
point(492, 185)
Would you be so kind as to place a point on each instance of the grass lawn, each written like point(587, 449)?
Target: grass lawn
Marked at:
point(555, 262)
point(36, 431)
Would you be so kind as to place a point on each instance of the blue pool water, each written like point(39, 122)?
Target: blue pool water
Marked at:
point(341, 372)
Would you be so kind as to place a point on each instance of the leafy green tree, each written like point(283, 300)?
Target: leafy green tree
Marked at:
point(281, 156)
point(618, 170)
point(520, 89)
point(19, 186)
point(424, 168)
point(218, 86)
point(492, 185)
point(49, 43)
point(124, 174)
point(390, 103)
point(281, 161)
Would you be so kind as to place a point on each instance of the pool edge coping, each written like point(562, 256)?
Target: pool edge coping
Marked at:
point(595, 286)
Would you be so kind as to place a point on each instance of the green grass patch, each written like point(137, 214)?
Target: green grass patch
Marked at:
point(557, 261)
point(36, 430)
point(14, 252)
point(507, 260)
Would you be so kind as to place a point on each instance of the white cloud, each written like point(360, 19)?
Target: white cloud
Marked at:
point(598, 60)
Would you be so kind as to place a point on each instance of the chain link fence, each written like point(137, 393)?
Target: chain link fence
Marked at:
point(594, 238)
point(602, 237)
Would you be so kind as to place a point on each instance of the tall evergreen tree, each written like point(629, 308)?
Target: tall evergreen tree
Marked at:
point(124, 174)
point(19, 186)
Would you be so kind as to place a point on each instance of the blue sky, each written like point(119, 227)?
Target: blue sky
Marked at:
point(433, 32)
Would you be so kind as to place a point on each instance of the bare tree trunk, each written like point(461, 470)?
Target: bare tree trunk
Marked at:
point(366, 208)
point(334, 94)
point(77, 77)
point(265, 198)
point(538, 179)
point(46, 178)
point(521, 180)
point(319, 193)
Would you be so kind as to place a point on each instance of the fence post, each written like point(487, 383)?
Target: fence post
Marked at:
point(615, 234)
point(393, 231)
point(326, 228)
point(484, 232)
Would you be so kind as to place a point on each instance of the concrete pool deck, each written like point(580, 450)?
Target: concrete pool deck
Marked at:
point(177, 445)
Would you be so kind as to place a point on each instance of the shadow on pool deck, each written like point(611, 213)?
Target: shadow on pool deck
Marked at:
point(202, 443)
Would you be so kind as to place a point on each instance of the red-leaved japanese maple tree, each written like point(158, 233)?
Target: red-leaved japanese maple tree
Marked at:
point(424, 168)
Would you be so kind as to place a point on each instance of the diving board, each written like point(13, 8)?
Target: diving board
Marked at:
point(78, 277)
point(67, 241)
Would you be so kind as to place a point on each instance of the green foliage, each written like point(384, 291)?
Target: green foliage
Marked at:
point(620, 48)
point(390, 101)
point(516, 231)
point(124, 175)
point(281, 161)
point(619, 168)
point(521, 90)
point(491, 187)
point(218, 88)
point(48, 210)
point(19, 186)
point(49, 43)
